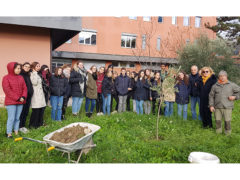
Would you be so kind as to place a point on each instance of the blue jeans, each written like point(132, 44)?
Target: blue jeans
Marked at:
point(14, 112)
point(183, 107)
point(93, 102)
point(139, 106)
point(194, 101)
point(56, 103)
point(168, 109)
point(76, 104)
point(106, 103)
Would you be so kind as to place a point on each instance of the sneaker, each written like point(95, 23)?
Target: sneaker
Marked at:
point(102, 113)
point(99, 114)
point(25, 129)
point(114, 112)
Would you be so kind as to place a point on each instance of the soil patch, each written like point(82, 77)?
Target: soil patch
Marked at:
point(71, 134)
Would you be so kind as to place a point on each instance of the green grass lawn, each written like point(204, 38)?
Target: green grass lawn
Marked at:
point(128, 138)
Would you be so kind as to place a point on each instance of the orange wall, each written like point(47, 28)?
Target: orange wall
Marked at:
point(21, 44)
point(109, 30)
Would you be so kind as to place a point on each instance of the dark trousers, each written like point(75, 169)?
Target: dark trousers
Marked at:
point(64, 107)
point(154, 100)
point(25, 112)
point(128, 101)
point(206, 115)
point(36, 119)
point(99, 103)
point(116, 99)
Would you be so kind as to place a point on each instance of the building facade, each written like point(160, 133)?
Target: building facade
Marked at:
point(131, 42)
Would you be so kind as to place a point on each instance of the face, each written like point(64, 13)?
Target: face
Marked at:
point(205, 72)
point(37, 68)
point(163, 67)
point(110, 74)
point(142, 74)
point(157, 76)
point(115, 75)
point(194, 70)
point(152, 74)
point(128, 73)
point(94, 69)
point(181, 76)
point(17, 70)
point(123, 72)
point(147, 72)
point(101, 70)
point(223, 78)
point(59, 71)
point(132, 75)
point(26, 67)
point(80, 65)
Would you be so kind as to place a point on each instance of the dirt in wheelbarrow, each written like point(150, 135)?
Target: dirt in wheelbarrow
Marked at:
point(71, 134)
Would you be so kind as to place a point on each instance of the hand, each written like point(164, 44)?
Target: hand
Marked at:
point(45, 69)
point(21, 99)
point(129, 89)
point(89, 71)
point(150, 99)
point(212, 109)
point(232, 98)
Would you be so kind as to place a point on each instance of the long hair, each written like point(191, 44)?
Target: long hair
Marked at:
point(34, 64)
point(159, 80)
point(185, 79)
point(56, 72)
point(139, 75)
point(148, 77)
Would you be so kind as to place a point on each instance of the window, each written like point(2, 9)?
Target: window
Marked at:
point(143, 41)
point(133, 17)
point(186, 20)
point(158, 43)
point(198, 21)
point(120, 64)
point(174, 20)
point(86, 37)
point(160, 19)
point(69, 41)
point(55, 65)
point(146, 18)
point(128, 41)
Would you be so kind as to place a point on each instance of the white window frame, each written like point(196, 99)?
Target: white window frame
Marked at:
point(174, 20)
point(132, 17)
point(130, 37)
point(127, 64)
point(158, 43)
point(198, 21)
point(147, 18)
point(92, 32)
point(188, 21)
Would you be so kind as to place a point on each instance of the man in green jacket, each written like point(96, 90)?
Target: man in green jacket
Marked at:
point(221, 101)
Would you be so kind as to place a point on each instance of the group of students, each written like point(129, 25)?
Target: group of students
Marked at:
point(33, 85)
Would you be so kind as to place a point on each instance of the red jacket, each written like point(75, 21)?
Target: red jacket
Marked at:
point(14, 86)
point(100, 78)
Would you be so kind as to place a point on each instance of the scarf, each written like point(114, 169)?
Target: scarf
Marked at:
point(222, 82)
point(84, 74)
point(205, 78)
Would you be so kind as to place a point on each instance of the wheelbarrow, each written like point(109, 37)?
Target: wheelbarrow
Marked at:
point(83, 145)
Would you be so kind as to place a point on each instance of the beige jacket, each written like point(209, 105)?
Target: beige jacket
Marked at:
point(38, 98)
point(168, 92)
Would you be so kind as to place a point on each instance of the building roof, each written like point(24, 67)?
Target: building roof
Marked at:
point(110, 57)
point(62, 28)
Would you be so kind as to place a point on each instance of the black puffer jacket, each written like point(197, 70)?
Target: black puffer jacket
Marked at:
point(154, 94)
point(26, 77)
point(141, 89)
point(132, 83)
point(107, 86)
point(193, 85)
point(75, 79)
point(58, 85)
point(204, 90)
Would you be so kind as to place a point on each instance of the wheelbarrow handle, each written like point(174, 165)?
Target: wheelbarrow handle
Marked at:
point(30, 139)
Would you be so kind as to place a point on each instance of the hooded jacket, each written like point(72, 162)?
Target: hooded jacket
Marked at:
point(14, 87)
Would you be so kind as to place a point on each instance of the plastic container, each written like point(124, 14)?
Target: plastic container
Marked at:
point(203, 157)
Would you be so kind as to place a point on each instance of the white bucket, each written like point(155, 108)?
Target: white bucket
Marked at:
point(203, 157)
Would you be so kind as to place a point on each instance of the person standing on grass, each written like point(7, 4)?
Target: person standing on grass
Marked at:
point(99, 103)
point(130, 93)
point(38, 102)
point(153, 93)
point(78, 86)
point(163, 72)
point(206, 81)
point(91, 91)
point(58, 88)
point(182, 94)
point(66, 73)
point(123, 86)
point(169, 95)
point(147, 102)
point(114, 93)
point(221, 101)
point(45, 75)
point(25, 73)
point(141, 88)
point(107, 89)
point(194, 91)
point(15, 90)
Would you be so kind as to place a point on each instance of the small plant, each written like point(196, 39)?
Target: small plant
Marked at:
point(167, 85)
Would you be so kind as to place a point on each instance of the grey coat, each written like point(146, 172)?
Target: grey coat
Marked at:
point(218, 97)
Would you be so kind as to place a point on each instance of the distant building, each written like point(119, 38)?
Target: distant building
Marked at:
point(132, 42)
point(33, 39)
